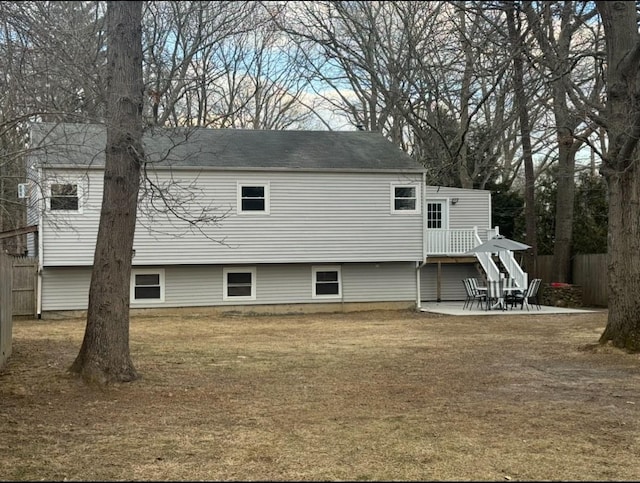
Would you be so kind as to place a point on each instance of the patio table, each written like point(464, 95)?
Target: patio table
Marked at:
point(500, 302)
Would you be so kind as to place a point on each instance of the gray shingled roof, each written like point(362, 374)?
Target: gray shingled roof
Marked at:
point(83, 144)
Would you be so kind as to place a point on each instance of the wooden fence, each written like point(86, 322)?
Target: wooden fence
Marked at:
point(25, 285)
point(6, 321)
point(587, 271)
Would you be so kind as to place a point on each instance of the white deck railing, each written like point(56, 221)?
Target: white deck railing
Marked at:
point(460, 242)
point(457, 242)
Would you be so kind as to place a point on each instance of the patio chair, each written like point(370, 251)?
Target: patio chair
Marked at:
point(511, 296)
point(533, 295)
point(473, 294)
point(468, 291)
point(474, 285)
point(529, 295)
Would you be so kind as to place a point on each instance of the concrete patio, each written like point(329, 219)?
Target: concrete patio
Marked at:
point(455, 308)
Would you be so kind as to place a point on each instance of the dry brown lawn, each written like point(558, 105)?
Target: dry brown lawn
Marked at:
point(383, 395)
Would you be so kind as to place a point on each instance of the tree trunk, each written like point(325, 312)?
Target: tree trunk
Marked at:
point(525, 134)
point(621, 168)
point(465, 96)
point(564, 202)
point(623, 323)
point(104, 356)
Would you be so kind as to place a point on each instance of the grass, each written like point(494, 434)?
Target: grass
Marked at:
point(383, 395)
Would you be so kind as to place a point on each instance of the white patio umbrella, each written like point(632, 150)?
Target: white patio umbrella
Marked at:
point(499, 244)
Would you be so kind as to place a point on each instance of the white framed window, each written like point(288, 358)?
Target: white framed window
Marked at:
point(405, 199)
point(65, 197)
point(147, 285)
point(253, 198)
point(326, 281)
point(239, 283)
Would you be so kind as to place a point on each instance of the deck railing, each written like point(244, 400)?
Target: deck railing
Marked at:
point(457, 242)
point(460, 242)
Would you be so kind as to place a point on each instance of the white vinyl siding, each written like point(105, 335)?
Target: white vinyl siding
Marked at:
point(65, 288)
point(378, 282)
point(473, 207)
point(314, 218)
point(451, 283)
point(201, 286)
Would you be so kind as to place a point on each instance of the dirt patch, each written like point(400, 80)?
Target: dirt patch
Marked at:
point(382, 395)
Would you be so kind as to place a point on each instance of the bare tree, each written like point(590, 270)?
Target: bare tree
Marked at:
point(355, 58)
point(51, 59)
point(554, 27)
point(179, 39)
point(262, 87)
point(621, 168)
point(104, 355)
point(60, 64)
point(434, 77)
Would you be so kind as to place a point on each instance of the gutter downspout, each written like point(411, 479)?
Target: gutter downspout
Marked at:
point(41, 208)
point(423, 262)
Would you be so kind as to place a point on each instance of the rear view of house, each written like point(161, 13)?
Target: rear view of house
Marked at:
point(303, 218)
point(315, 220)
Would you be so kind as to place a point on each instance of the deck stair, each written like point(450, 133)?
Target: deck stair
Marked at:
point(454, 246)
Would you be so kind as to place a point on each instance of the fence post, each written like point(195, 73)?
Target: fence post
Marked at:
point(6, 308)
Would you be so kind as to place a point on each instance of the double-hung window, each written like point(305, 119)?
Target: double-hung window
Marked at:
point(253, 198)
point(326, 282)
point(405, 199)
point(239, 283)
point(65, 197)
point(147, 285)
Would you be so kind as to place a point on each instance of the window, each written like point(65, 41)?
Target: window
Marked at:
point(404, 199)
point(326, 282)
point(64, 197)
point(434, 215)
point(239, 284)
point(253, 198)
point(147, 285)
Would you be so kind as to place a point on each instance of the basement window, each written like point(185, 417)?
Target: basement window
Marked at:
point(147, 285)
point(239, 284)
point(326, 282)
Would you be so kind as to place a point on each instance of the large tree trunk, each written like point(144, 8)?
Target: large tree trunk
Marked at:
point(562, 247)
point(104, 356)
point(621, 168)
point(623, 324)
point(525, 134)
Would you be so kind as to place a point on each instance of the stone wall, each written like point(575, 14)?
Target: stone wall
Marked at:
point(565, 295)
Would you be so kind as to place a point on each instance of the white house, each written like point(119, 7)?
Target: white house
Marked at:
point(306, 219)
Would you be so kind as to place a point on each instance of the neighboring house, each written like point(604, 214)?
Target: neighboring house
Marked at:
point(339, 219)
